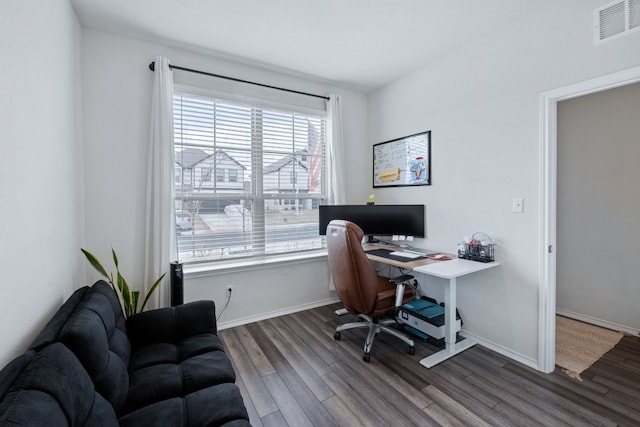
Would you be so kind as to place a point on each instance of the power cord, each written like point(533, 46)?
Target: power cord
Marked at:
point(226, 304)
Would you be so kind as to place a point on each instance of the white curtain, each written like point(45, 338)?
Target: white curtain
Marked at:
point(335, 158)
point(160, 235)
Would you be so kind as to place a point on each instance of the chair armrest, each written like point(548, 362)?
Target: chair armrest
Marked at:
point(172, 324)
point(401, 279)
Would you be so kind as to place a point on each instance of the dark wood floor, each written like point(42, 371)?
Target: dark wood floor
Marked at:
point(292, 373)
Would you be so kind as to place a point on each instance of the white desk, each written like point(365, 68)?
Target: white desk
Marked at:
point(451, 270)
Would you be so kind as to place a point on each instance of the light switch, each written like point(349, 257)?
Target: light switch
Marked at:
point(518, 205)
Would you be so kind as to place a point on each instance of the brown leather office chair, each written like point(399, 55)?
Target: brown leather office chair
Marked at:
point(361, 290)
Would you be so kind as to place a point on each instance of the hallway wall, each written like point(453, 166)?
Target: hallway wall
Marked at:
point(599, 208)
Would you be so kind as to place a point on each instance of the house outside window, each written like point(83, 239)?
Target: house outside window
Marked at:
point(253, 212)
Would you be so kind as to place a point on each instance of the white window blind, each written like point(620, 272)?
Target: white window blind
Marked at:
point(235, 196)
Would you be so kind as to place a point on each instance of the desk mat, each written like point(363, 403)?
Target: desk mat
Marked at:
point(386, 253)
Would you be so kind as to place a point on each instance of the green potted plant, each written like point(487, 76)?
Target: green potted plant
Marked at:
point(128, 297)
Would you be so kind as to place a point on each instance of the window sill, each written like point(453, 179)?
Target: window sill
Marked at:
point(224, 267)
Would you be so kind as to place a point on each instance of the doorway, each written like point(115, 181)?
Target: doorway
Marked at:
point(548, 206)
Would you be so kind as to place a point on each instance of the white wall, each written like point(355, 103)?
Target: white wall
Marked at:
point(481, 104)
point(116, 97)
point(41, 209)
point(598, 152)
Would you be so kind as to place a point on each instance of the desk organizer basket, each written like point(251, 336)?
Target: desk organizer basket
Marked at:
point(479, 248)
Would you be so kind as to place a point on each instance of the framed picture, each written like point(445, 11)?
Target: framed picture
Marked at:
point(403, 161)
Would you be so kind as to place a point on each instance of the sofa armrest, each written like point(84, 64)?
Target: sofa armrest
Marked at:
point(51, 388)
point(172, 324)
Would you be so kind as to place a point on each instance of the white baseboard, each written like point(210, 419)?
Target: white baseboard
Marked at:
point(598, 322)
point(532, 363)
point(276, 313)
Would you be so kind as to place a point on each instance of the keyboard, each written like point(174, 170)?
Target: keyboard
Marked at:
point(391, 254)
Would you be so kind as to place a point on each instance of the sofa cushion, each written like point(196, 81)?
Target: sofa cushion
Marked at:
point(51, 388)
point(172, 324)
point(166, 380)
point(175, 352)
point(51, 331)
point(96, 333)
point(159, 353)
point(219, 405)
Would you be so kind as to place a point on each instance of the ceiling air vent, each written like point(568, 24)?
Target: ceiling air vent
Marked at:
point(616, 19)
point(634, 14)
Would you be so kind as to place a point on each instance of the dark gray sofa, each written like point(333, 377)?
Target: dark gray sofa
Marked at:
point(91, 366)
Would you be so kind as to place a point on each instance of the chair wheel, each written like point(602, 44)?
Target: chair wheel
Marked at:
point(336, 336)
point(366, 357)
point(412, 350)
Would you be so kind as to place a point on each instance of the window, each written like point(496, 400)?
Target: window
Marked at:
point(253, 212)
point(206, 174)
point(220, 174)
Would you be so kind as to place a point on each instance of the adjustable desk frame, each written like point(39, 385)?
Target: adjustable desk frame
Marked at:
point(451, 270)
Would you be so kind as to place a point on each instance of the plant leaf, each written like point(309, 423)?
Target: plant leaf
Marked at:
point(115, 257)
point(93, 260)
point(129, 299)
point(125, 292)
point(135, 295)
point(153, 288)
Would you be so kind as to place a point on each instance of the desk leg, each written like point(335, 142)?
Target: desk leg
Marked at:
point(450, 297)
point(451, 347)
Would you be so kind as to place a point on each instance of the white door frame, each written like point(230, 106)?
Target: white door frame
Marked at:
point(548, 202)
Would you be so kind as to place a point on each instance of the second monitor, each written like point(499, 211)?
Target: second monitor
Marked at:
point(377, 220)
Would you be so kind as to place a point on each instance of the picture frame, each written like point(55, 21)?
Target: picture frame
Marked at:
point(403, 161)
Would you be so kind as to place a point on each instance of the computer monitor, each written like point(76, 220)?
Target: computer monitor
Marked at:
point(377, 220)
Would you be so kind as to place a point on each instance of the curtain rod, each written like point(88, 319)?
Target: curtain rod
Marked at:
point(152, 67)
